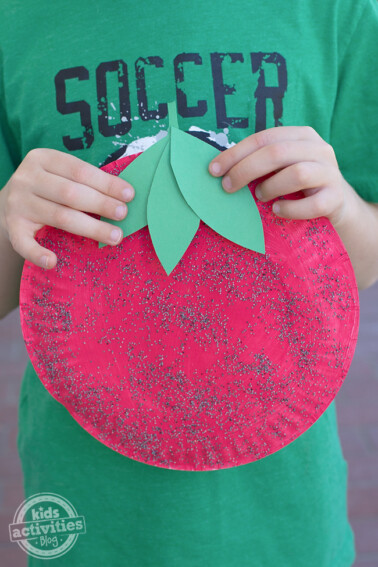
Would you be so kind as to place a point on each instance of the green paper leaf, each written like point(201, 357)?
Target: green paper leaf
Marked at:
point(174, 190)
point(172, 114)
point(171, 222)
point(233, 215)
point(139, 174)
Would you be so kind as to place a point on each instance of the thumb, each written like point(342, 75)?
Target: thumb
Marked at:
point(22, 239)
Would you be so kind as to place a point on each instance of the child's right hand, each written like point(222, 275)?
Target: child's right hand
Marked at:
point(52, 188)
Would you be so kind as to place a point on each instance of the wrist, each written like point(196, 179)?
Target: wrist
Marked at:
point(357, 226)
point(349, 210)
point(3, 232)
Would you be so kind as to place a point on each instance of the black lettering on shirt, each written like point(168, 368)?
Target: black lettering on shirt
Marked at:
point(81, 106)
point(124, 124)
point(182, 102)
point(221, 90)
point(144, 111)
point(264, 91)
point(115, 73)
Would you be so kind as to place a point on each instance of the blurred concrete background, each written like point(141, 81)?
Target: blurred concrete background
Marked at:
point(357, 406)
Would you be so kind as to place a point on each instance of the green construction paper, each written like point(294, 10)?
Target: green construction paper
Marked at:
point(171, 222)
point(174, 190)
point(172, 114)
point(233, 215)
point(139, 174)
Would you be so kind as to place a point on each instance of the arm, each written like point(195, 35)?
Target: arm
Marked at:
point(358, 229)
point(10, 274)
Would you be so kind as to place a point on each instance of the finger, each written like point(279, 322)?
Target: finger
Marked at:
point(272, 158)
point(22, 239)
point(228, 158)
point(75, 222)
point(297, 177)
point(320, 204)
point(75, 169)
point(78, 196)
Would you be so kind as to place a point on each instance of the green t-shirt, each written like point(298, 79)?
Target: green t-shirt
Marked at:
point(94, 78)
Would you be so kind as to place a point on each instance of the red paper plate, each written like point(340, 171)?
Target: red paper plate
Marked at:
point(225, 361)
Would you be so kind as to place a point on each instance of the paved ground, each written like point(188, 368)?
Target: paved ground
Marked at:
point(357, 404)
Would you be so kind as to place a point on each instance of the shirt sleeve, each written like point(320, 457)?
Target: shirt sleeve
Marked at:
point(7, 166)
point(354, 129)
point(9, 159)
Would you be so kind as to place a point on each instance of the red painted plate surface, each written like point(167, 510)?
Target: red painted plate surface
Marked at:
point(225, 361)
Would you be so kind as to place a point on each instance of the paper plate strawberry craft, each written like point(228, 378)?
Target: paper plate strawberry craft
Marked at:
point(213, 335)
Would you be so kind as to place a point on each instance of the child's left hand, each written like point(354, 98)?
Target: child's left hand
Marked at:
point(303, 161)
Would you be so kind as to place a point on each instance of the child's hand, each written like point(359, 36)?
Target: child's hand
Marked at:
point(52, 188)
point(303, 161)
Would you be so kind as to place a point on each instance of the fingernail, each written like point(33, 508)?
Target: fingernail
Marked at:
point(258, 194)
point(227, 183)
point(115, 235)
point(120, 212)
point(127, 194)
point(276, 208)
point(215, 168)
point(45, 261)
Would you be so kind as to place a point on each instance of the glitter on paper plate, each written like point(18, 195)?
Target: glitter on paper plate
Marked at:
point(225, 361)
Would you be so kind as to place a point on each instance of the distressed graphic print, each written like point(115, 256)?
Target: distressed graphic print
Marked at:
point(117, 82)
